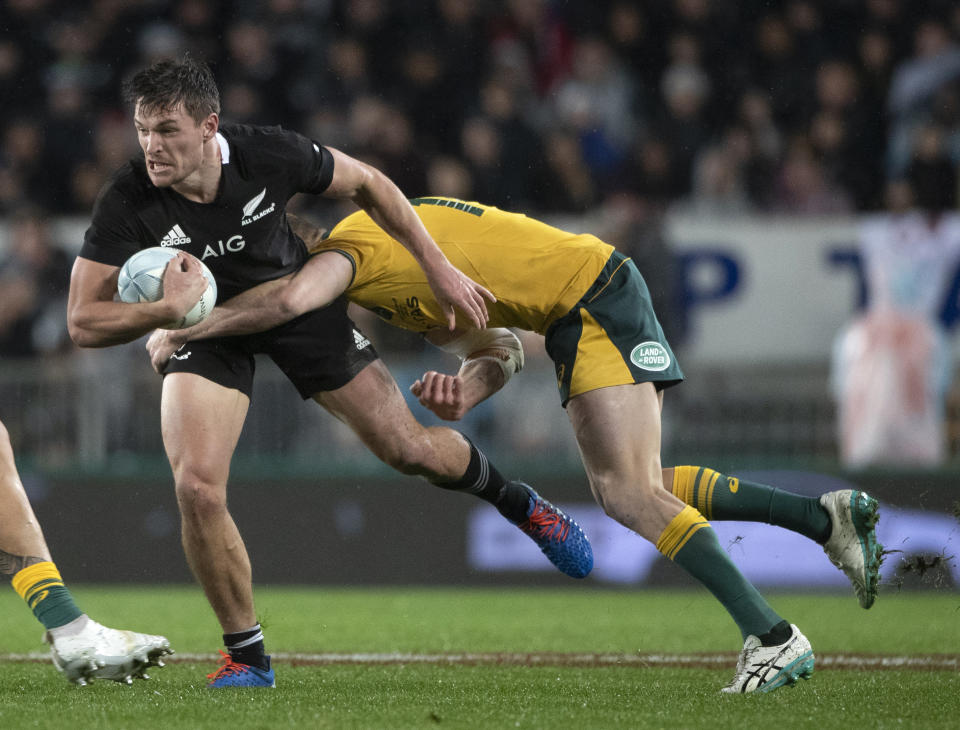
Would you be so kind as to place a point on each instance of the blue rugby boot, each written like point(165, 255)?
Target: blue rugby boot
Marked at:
point(235, 674)
point(557, 536)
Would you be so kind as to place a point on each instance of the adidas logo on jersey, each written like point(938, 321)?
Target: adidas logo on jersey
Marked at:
point(249, 214)
point(360, 340)
point(175, 237)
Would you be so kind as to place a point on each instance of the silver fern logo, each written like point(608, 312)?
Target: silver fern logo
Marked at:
point(250, 213)
point(254, 203)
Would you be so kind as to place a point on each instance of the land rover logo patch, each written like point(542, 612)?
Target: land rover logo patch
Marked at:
point(650, 356)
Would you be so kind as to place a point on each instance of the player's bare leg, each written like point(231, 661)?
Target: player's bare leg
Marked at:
point(21, 539)
point(201, 423)
point(373, 406)
point(81, 648)
point(618, 431)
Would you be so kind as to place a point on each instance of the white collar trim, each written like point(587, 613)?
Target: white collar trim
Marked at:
point(224, 149)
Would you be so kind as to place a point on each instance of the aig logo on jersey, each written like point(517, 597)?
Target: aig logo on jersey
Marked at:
point(250, 212)
point(221, 247)
point(650, 356)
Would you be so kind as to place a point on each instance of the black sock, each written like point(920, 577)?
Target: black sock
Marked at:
point(777, 635)
point(514, 502)
point(483, 480)
point(246, 647)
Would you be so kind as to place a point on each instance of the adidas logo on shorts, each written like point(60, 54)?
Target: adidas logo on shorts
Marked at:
point(175, 237)
point(360, 340)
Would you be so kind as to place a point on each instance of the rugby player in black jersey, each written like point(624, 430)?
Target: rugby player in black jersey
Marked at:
point(218, 194)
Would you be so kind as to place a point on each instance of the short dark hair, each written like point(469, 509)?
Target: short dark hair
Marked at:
point(167, 83)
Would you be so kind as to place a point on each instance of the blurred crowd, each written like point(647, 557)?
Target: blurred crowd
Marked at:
point(551, 107)
point(801, 106)
point(608, 111)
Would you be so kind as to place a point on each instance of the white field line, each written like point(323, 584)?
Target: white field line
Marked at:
point(942, 662)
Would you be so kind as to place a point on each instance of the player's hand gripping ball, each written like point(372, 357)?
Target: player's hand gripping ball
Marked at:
point(141, 280)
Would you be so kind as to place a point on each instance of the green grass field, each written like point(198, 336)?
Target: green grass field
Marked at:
point(547, 691)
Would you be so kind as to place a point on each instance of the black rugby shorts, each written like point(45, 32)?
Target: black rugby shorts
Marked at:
point(318, 351)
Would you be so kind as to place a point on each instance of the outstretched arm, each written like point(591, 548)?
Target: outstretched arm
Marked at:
point(321, 280)
point(382, 200)
point(490, 358)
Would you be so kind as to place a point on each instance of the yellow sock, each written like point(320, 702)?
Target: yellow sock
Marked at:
point(694, 485)
point(41, 586)
point(722, 497)
point(681, 528)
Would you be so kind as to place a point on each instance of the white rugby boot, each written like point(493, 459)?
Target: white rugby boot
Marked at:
point(765, 668)
point(853, 545)
point(95, 651)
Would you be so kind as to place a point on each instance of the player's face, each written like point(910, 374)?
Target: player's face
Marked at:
point(172, 143)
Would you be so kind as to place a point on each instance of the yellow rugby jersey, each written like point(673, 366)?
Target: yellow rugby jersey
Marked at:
point(536, 271)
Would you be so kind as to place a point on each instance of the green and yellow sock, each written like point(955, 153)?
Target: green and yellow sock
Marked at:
point(691, 543)
point(721, 497)
point(41, 586)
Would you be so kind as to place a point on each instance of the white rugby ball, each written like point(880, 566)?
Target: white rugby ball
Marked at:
point(141, 280)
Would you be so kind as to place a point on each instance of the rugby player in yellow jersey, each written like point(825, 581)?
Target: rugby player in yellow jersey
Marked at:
point(612, 365)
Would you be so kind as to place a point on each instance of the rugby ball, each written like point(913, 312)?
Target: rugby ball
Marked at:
point(141, 280)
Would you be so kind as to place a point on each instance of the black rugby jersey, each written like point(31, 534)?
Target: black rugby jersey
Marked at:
point(242, 235)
